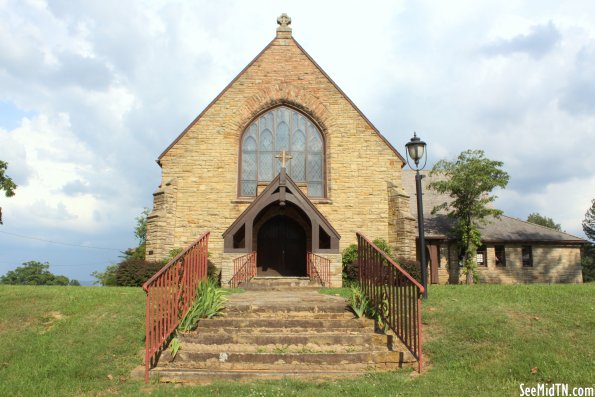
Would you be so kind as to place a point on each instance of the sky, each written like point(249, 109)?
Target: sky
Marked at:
point(91, 92)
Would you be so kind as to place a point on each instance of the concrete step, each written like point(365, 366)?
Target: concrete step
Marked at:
point(295, 308)
point(308, 347)
point(288, 331)
point(242, 323)
point(278, 283)
point(284, 331)
point(287, 315)
point(202, 376)
point(349, 361)
point(266, 339)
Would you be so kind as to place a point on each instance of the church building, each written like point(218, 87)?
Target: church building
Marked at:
point(281, 163)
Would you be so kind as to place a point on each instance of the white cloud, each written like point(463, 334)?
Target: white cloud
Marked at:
point(48, 156)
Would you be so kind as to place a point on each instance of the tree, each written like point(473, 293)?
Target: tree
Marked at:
point(6, 184)
point(140, 232)
point(539, 219)
point(469, 180)
point(589, 222)
point(106, 278)
point(588, 259)
point(35, 273)
point(141, 226)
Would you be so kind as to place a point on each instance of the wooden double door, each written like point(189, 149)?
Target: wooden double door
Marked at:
point(281, 248)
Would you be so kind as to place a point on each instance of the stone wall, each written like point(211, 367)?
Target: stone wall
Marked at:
point(203, 161)
point(552, 263)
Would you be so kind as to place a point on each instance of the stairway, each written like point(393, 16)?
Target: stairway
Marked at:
point(286, 330)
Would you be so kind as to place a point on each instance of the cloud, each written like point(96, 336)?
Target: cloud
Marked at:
point(42, 210)
point(566, 202)
point(75, 188)
point(61, 177)
point(578, 96)
point(538, 42)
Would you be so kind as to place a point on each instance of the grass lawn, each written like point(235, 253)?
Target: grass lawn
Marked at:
point(483, 340)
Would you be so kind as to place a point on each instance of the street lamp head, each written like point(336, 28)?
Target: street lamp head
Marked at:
point(416, 149)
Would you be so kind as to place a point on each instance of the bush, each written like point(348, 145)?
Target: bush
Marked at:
point(133, 272)
point(349, 258)
point(350, 269)
point(350, 266)
point(411, 267)
point(213, 273)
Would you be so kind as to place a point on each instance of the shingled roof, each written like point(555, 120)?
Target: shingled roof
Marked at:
point(503, 229)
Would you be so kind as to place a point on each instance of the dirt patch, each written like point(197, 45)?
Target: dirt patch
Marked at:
point(50, 319)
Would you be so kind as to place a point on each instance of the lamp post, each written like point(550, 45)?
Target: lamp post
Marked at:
point(415, 150)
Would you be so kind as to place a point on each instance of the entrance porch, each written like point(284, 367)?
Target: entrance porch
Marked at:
point(281, 231)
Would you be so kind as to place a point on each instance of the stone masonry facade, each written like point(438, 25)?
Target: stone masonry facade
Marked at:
point(199, 185)
point(552, 263)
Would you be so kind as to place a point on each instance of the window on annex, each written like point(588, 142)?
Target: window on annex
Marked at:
point(481, 256)
point(527, 256)
point(282, 129)
point(500, 255)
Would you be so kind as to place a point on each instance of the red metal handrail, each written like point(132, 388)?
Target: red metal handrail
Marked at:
point(244, 268)
point(170, 293)
point(394, 293)
point(319, 268)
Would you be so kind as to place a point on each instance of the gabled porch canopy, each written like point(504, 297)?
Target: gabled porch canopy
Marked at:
point(282, 190)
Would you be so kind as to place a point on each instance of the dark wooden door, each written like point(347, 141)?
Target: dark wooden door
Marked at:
point(281, 248)
point(434, 262)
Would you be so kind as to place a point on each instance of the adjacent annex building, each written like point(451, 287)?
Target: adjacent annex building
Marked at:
point(281, 163)
point(513, 251)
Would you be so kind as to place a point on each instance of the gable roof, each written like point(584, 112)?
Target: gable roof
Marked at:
point(502, 229)
point(248, 67)
point(280, 191)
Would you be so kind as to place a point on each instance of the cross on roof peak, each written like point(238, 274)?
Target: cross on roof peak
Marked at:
point(284, 21)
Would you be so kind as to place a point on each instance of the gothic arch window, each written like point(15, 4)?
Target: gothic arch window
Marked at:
point(282, 129)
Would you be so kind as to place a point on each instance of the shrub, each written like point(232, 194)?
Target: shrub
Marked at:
point(133, 272)
point(411, 267)
point(350, 269)
point(213, 273)
point(350, 265)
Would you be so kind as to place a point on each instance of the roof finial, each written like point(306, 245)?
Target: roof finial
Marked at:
point(284, 30)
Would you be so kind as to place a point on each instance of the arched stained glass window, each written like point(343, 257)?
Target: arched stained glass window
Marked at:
point(277, 130)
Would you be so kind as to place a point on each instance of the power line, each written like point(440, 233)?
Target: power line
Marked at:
point(77, 265)
point(59, 243)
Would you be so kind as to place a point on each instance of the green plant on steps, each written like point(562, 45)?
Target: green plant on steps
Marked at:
point(380, 313)
point(210, 301)
point(175, 345)
point(358, 302)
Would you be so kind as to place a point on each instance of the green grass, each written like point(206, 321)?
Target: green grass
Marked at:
point(68, 340)
point(344, 292)
point(481, 340)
